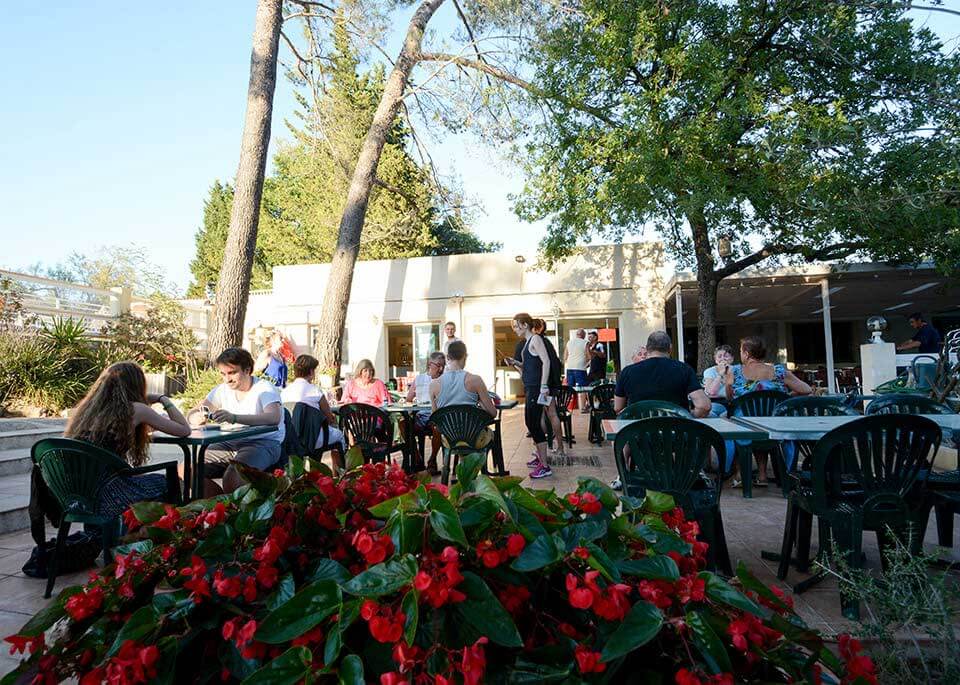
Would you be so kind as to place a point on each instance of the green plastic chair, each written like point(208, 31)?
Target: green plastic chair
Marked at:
point(906, 404)
point(757, 403)
point(462, 427)
point(563, 398)
point(646, 409)
point(371, 429)
point(668, 454)
point(75, 472)
point(601, 407)
point(868, 475)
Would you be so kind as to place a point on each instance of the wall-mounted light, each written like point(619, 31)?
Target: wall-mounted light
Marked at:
point(519, 259)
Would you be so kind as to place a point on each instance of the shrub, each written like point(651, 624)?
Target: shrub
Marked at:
point(377, 577)
point(159, 341)
point(200, 381)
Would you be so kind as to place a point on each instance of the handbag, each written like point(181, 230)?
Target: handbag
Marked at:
point(80, 552)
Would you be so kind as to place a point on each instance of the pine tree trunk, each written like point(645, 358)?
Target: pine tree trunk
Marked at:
point(706, 290)
point(233, 286)
point(340, 281)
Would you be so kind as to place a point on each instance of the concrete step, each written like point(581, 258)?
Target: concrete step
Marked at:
point(20, 433)
point(15, 461)
point(14, 500)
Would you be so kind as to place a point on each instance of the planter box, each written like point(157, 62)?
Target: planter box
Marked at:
point(163, 384)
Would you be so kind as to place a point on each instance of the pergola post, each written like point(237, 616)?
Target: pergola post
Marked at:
point(679, 300)
point(828, 334)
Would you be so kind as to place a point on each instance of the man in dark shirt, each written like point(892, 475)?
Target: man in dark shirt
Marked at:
point(925, 341)
point(658, 377)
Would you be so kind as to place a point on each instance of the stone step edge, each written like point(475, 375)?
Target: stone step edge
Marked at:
point(31, 431)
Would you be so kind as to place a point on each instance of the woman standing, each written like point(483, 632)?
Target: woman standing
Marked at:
point(555, 383)
point(115, 415)
point(535, 374)
point(754, 374)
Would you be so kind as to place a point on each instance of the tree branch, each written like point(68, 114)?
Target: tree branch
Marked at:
point(313, 3)
point(835, 251)
point(506, 76)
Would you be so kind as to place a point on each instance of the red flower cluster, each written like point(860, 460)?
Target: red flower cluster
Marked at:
point(438, 576)
point(378, 483)
point(20, 644)
point(492, 556)
point(169, 520)
point(84, 604)
point(473, 663)
point(588, 661)
point(858, 666)
point(373, 549)
point(514, 597)
point(685, 677)
point(130, 520)
point(386, 624)
point(234, 586)
point(611, 603)
point(748, 630)
point(587, 503)
point(198, 584)
point(134, 663)
point(690, 589)
point(127, 564)
point(242, 637)
point(214, 517)
point(658, 592)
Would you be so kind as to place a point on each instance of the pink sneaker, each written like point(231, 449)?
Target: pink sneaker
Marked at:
point(541, 471)
point(535, 461)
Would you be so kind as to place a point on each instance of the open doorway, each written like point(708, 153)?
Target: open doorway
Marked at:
point(409, 346)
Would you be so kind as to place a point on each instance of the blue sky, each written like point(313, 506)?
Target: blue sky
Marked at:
point(117, 117)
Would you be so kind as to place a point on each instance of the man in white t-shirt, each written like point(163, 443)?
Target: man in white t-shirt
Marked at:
point(420, 392)
point(449, 336)
point(302, 389)
point(575, 361)
point(240, 399)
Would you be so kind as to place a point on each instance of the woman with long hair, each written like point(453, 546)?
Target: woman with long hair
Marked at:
point(535, 374)
point(116, 416)
point(554, 382)
point(271, 363)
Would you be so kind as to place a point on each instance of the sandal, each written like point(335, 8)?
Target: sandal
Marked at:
point(736, 483)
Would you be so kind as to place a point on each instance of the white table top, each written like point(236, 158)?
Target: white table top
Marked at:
point(815, 427)
point(727, 428)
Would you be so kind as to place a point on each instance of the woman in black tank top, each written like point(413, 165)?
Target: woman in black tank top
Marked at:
point(534, 374)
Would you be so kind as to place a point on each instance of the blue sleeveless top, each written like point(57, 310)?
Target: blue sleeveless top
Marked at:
point(276, 372)
point(742, 385)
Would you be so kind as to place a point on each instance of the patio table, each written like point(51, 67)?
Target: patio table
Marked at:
point(195, 446)
point(412, 459)
point(729, 429)
point(815, 427)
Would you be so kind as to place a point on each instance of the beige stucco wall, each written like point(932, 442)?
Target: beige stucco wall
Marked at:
point(623, 282)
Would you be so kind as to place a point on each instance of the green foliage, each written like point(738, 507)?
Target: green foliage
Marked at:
point(911, 616)
point(244, 588)
point(304, 198)
point(112, 266)
point(199, 384)
point(50, 369)
point(157, 339)
point(815, 128)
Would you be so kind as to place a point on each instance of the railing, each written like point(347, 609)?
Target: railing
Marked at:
point(46, 298)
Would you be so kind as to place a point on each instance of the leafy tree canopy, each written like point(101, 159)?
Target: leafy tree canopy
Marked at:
point(809, 127)
point(408, 215)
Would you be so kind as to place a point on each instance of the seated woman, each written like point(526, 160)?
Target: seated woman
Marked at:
point(713, 378)
point(302, 389)
point(420, 393)
point(365, 387)
point(270, 362)
point(755, 374)
point(115, 415)
point(240, 399)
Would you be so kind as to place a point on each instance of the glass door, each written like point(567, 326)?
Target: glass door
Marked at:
point(426, 340)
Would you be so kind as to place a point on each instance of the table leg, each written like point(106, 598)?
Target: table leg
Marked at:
point(415, 458)
point(198, 471)
point(500, 468)
point(187, 472)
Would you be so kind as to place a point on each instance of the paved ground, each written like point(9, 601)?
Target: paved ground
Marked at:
point(752, 525)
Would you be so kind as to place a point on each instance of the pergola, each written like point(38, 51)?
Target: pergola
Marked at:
point(816, 293)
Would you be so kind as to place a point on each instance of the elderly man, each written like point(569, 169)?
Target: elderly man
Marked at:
point(658, 377)
point(419, 392)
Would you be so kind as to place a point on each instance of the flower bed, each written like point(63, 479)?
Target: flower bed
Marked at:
point(377, 577)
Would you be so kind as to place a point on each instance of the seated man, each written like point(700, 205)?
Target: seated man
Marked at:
point(456, 386)
point(658, 377)
point(302, 389)
point(419, 392)
point(240, 399)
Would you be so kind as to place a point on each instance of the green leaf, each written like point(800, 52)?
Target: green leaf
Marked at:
point(444, 519)
point(284, 592)
point(469, 467)
point(46, 617)
point(411, 611)
point(581, 533)
point(349, 612)
point(750, 582)
point(706, 641)
point(166, 665)
point(654, 567)
point(353, 458)
point(148, 512)
point(295, 466)
point(384, 578)
point(720, 590)
point(218, 540)
point(351, 670)
point(599, 561)
point(658, 502)
point(328, 569)
point(141, 623)
point(530, 523)
point(506, 483)
point(476, 511)
point(539, 553)
point(487, 489)
point(300, 613)
point(140, 546)
point(523, 498)
point(483, 611)
point(287, 669)
point(248, 519)
point(604, 492)
point(639, 627)
point(387, 507)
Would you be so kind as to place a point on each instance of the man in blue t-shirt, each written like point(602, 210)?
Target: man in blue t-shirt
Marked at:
point(925, 341)
point(658, 377)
